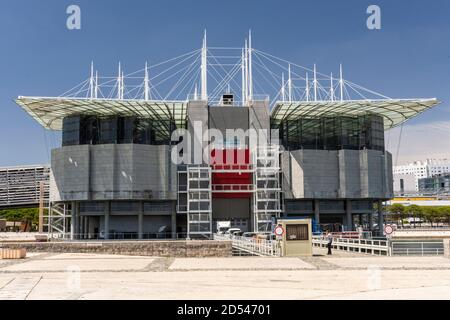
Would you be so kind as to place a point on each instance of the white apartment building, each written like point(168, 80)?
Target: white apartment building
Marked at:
point(20, 186)
point(419, 169)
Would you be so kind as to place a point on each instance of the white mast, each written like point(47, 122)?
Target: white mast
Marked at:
point(91, 81)
point(290, 84)
point(283, 91)
point(122, 87)
point(195, 92)
point(315, 83)
point(96, 85)
point(119, 82)
point(246, 72)
point(331, 87)
point(307, 87)
point(204, 70)
point(243, 77)
point(146, 84)
point(250, 50)
point(341, 83)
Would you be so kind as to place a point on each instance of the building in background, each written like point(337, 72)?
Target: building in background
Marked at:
point(436, 185)
point(20, 186)
point(405, 184)
point(417, 170)
point(114, 177)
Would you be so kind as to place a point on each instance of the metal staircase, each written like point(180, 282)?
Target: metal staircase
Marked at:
point(199, 206)
point(58, 220)
point(266, 199)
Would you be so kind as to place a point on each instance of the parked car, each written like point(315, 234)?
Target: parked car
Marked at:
point(249, 234)
point(232, 232)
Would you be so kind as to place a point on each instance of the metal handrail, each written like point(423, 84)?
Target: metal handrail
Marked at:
point(355, 245)
point(232, 187)
point(260, 247)
point(420, 249)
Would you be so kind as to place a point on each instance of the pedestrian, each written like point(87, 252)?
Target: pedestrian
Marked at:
point(329, 238)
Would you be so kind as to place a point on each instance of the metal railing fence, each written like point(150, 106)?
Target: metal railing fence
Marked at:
point(260, 247)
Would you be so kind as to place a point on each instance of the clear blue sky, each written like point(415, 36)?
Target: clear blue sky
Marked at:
point(39, 56)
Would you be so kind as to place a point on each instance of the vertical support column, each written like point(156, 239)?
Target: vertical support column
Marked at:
point(174, 224)
point(72, 221)
point(317, 211)
point(107, 217)
point(380, 217)
point(77, 221)
point(141, 221)
point(349, 216)
point(370, 215)
point(81, 227)
point(360, 219)
point(86, 227)
point(41, 207)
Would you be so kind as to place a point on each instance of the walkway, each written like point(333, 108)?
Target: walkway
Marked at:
point(341, 276)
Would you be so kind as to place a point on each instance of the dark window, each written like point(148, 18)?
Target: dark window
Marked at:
point(296, 232)
point(71, 131)
point(157, 207)
point(125, 206)
point(333, 133)
point(125, 127)
point(299, 206)
point(86, 207)
point(108, 131)
point(81, 130)
point(331, 205)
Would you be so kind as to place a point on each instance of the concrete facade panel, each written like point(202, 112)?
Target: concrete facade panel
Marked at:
point(71, 169)
point(343, 174)
point(114, 172)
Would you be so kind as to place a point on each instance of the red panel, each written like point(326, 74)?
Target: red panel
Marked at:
point(231, 159)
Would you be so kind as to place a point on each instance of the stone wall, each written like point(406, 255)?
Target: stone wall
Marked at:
point(188, 249)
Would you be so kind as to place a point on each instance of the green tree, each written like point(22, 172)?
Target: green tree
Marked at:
point(414, 212)
point(445, 214)
point(28, 216)
point(397, 211)
point(432, 214)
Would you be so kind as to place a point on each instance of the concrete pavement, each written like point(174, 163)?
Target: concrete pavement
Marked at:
point(342, 276)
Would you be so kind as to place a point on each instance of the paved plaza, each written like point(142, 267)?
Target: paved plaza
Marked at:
point(341, 276)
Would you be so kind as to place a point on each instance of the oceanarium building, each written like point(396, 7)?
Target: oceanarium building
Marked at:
point(114, 175)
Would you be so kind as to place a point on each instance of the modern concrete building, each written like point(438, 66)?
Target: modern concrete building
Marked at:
point(320, 157)
point(436, 185)
point(405, 184)
point(418, 170)
point(21, 186)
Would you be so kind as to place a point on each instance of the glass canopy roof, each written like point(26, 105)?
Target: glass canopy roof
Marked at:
point(50, 112)
point(394, 111)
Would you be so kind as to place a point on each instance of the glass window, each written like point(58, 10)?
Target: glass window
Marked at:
point(125, 206)
point(92, 207)
point(79, 130)
point(71, 131)
point(297, 232)
point(333, 133)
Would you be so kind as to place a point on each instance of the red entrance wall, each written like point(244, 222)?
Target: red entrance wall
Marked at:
point(228, 159)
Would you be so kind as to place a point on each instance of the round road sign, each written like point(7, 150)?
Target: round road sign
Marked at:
point(388, 229)
point(279, 231)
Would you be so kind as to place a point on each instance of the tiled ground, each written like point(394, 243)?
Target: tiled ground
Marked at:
point(88, 276)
